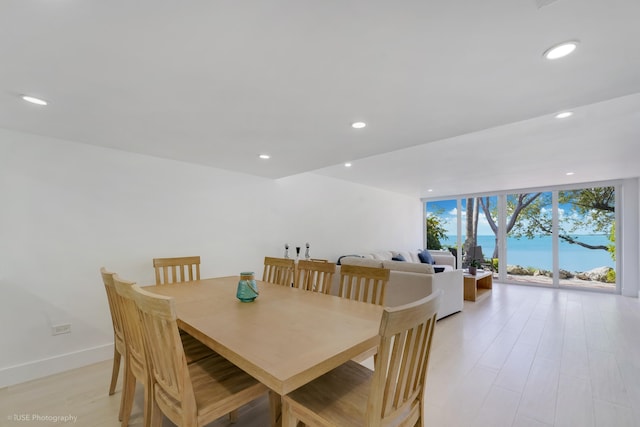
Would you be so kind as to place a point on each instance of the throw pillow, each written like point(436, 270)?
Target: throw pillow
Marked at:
point(398, 257)
point(426, 258)
point(438, 269)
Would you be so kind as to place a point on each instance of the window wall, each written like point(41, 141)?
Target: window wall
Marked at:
point(560, 237)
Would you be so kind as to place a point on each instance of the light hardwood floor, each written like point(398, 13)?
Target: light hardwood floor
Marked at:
point(525, 357)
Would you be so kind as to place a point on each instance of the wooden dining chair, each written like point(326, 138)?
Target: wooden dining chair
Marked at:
point(366, 284)
point(174, 270)
point(192, 394)
point(119, 349)
point(278, 271)
point(314, 276)
point(136, 364)
point(390, 395)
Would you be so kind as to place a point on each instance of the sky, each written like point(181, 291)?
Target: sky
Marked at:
point(450, 216)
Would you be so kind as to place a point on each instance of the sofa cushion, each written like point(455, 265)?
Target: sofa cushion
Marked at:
point(382, 255)
point(425, 257)
point(409, 267)
point(414, 256)
point(366, 262)
point(443, 258)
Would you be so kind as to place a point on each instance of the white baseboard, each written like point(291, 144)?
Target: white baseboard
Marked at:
point(41, 368)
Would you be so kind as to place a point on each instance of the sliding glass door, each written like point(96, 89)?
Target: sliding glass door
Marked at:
point(529, 243)
point(586, 236)
point(564, 237)
point(480, 222)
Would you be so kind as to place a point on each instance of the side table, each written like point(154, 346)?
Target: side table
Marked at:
point(479, 286)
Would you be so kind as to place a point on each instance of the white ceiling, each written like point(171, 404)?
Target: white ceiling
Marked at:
point(456, 93)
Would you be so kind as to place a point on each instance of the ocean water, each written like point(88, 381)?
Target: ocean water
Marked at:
point(538, 252)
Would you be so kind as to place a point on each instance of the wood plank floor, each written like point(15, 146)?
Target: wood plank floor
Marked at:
point(524, 357)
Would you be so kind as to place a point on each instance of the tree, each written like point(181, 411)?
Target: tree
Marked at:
point(595, 210)
point(435, 229)
point(530, 215)
point(516, 205)
point(471, 240)
point(590, 208)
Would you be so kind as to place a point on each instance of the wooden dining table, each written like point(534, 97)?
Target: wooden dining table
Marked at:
point(285, 338)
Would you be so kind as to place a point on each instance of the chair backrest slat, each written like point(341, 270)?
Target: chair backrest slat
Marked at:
point(366, 284)
point(136, 355)
point(278, 271)
point(406, 334)
point(174, 270)
point(114, 305)
point(314, 276)
point(162, 338)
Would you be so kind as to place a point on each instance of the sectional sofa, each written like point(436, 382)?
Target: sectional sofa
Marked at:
point(411, 279)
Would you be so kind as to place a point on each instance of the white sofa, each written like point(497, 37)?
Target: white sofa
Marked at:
point(443, 259)
point(410, 280)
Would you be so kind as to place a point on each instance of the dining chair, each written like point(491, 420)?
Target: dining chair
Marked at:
point(390, 395)
point(174, 270)
point(192, 394)
point(118, 329)
point(366, 284)
point(136, 363)
point(314, 276)
point(278, 271)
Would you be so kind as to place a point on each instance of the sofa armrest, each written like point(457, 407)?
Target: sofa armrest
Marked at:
point(452, 285)
point(443, 258)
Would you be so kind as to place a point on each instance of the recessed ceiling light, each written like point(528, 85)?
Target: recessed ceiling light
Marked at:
point(570, 173)
point(561, 50)
point(347, 165)
point(358, 125)
point(430, 190)
point(265, 156)
point(33, 100)
point(564, 115)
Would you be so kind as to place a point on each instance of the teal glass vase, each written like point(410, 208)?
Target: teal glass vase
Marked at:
point(247, 287)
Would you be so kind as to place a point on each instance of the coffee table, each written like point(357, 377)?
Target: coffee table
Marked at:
point(479, 286)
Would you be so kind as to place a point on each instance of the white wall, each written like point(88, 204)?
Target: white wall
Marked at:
point(68, 209)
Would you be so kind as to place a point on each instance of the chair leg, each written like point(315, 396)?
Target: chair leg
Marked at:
point(128, 393)
point(114, 371)
point(288, 419)
point(125, 379)
point(275, 408)
point(233, 416)
point(156, 414)
point(148, 402)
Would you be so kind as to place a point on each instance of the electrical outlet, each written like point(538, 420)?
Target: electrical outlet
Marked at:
point(63, 328)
